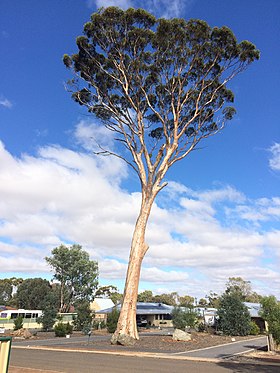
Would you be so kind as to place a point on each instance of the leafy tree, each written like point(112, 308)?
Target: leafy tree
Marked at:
point(203, 302)
point(213, 299)
point(83, 320)
point(170, 299)
point(6, 290)
point(233, 316)
point(161, 87)
point(31, 293)
point(182, 318)
point(145, 296)
point(116, 298)
point(77, 274)
point(112, 320)
point(50, 310)
point(270, 311)
point(243, 288)
point(186, 301)
point(106, 291)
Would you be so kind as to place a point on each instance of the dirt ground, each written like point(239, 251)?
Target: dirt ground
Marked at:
point(156, 343)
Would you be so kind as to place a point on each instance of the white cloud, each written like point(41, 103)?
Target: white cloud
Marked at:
point(274, 162)
point(5, 102)
point(124, 4)
point(197, 239)
point(160, 8)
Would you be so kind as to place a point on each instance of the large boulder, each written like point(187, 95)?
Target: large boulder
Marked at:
point(123, 339)
point(22, 333)
point(179, 335)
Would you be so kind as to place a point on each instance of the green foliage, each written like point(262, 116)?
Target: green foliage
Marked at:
point(270, 312)
point(77, 274)
point(6, 290)
point(83, 320)
point(69, 328)
point(106, 291)
point(145, 296)
point(182, 318)
point(170, 299)
point(233, 315)
point(32, 293)
point(130, 61)
point(243, 289)
point(98, 324)
point(112, 320)
point(201, 327)
point(186, 301)
point(60, 330)
point(18, 323)
point(213, 299)
point(254, 329)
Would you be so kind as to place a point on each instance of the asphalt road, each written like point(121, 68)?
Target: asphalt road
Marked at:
point(80, 362)
point(228, 350)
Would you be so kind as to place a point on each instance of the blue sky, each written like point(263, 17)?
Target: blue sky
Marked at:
point(219, 216)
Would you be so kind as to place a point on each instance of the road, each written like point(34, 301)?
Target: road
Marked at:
point(81, 362)
point(228, 350)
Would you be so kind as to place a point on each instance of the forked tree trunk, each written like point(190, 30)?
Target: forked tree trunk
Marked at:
point(127, 320)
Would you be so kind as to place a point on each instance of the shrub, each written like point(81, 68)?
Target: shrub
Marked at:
point(201, 327)
point(98, 324)
point(18, 323)
point(233, 316)
point(270, 311)
point(47, 319)
point(83, 319)
point(69, 328)
point(60, 330)
point(254, 329)
point(112, 320)
point(182, 318)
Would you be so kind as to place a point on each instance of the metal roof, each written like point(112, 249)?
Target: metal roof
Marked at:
point(146, 309)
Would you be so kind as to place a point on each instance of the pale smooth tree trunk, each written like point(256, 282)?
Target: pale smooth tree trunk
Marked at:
point(127, 320)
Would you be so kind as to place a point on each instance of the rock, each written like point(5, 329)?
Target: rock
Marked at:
point(22, 333)
point(27, 334)
point(179, 335)
point(123, 339)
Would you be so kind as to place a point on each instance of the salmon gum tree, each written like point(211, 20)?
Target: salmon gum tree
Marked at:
point(161, 86)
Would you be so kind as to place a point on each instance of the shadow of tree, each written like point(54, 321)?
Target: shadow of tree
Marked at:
point(250, 367)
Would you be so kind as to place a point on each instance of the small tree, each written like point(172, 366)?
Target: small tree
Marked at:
point(83, 320)
point(161, 87)
point(18, 323)
point(77, 274)
point(233, 316)
point(112, 320)
point(182, 318)
point(50, 307)
point(270, 311)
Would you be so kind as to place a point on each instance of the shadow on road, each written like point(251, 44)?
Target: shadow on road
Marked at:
point(249, 368)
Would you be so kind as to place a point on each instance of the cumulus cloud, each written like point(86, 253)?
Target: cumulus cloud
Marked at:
point(274, 162)
point(161, 8)
point(197, 238)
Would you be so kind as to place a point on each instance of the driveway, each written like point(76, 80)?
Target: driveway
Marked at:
point(227, 350)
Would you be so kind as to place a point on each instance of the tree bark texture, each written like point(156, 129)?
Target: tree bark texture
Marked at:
point(127, 319)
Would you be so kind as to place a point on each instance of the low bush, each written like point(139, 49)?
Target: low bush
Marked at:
point(254, 329)
point(112, 320)
point(18, 323)
point(60, 330)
